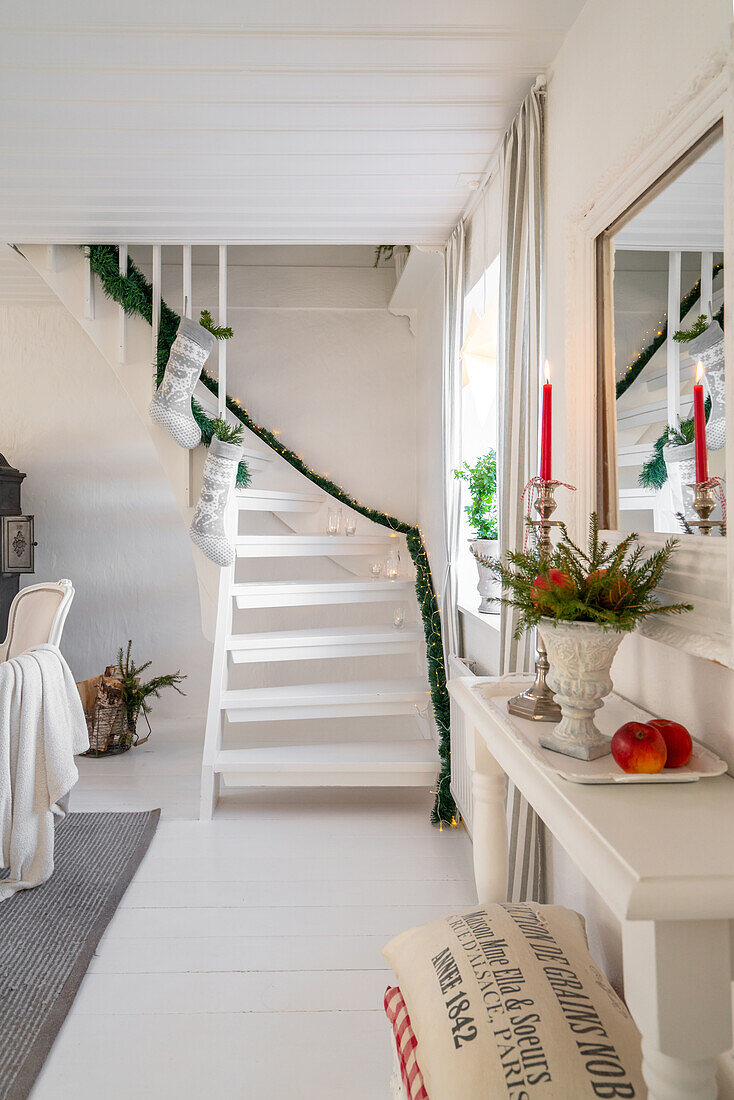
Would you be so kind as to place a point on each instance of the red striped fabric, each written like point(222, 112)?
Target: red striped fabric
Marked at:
point(406, 1043)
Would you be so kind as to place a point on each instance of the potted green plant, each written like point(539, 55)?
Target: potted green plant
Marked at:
point(481, 511)
point(583, 602)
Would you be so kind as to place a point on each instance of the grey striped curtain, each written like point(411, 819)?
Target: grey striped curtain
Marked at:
point(453, 337)
point(520, 361)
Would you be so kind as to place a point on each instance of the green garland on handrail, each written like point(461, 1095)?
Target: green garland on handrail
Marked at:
point(135, 294)
point(635, 368)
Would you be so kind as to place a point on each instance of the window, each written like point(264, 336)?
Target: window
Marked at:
point(478, 404)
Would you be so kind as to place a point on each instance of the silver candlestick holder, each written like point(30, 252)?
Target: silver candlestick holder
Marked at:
point(538, 703)
point(704, 502)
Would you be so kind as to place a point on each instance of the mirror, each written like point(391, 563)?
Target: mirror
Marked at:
point(660, 312)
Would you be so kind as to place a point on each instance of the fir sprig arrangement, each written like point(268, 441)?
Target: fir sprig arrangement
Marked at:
point(221, 332)
point(137, 695)
point(683, 335)
point(227, 433)
point(654, 472)
point(610, 585)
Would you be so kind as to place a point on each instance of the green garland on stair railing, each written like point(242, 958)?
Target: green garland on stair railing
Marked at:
point(635, 368)
point(135, 294)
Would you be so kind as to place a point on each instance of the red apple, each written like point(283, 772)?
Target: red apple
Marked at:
point(639, 748)
point(677, 741)
point(556, 578)
point(612, 592)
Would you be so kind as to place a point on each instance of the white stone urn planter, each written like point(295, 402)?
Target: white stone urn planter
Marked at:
point(488, 586)
point(580, 656)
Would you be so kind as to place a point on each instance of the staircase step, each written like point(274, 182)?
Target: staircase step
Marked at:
point(343, 700)
point(634, 454)
point(256, 459)
point(308, 546)
point(308, 645)
point(359, 764)
point(272, 500)
point(652, 412)
point(307, 593)
point(658, 379)
point(636, 498)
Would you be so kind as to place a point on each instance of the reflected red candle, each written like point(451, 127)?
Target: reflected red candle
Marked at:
point(699, 428)
point(546, 428)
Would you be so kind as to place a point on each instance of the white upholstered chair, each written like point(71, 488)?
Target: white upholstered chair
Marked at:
point(37, 616)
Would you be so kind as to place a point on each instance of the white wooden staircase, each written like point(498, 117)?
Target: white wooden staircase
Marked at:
point(311, 684)
point(662, 394)
point(380, 758)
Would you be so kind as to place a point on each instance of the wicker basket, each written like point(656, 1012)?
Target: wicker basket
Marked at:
point(109, 730)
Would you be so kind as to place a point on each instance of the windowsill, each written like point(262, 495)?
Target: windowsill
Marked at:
point(468, 601)
point(489, 621)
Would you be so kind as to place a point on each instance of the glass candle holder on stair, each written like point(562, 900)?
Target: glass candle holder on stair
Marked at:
point(350, 523)
point(392, 565)
point(398, 618)
point(375, 569)
point(334, 521)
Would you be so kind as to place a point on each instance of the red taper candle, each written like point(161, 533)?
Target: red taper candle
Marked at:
point(699, 428)
point(546, 427)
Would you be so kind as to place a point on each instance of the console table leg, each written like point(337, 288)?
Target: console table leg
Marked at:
point(489, 825)
point(671, 1079)
point(677, 987)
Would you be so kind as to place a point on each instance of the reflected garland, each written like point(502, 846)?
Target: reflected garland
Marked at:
point(135, 294)
point(634, 369)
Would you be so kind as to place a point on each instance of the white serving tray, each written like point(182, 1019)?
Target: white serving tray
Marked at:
point(614, 713)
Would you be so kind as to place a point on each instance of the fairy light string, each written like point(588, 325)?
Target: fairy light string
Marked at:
point(135, 294)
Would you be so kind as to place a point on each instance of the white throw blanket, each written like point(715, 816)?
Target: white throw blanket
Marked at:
point(42, 728)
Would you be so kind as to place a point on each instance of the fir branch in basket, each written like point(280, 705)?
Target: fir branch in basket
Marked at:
point(136, 695)
point(610, 585)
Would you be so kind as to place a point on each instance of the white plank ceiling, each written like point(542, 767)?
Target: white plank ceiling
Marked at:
point(348, 121)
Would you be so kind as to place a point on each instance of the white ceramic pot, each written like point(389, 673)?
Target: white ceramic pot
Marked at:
point(580, 656)
point(488, 586)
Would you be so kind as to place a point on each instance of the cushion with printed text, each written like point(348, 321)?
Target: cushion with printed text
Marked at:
point(506, 1001)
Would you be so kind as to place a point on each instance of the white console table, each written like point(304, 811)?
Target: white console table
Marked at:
point(662, 857)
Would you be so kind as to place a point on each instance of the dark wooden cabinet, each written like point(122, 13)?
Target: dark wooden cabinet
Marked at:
point(10, 483)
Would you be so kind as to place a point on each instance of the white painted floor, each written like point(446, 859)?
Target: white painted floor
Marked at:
point(245, 959)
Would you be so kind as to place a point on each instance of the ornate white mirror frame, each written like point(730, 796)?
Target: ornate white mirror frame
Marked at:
point(703, 568)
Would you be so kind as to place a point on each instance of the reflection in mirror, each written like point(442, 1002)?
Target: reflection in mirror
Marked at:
point(660, 286)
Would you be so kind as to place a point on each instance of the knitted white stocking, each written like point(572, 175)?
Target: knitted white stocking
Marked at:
point(709, 348)
point(219, 476)
point(171, 406)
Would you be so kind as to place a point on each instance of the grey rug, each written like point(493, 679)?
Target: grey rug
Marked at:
point(48, 935)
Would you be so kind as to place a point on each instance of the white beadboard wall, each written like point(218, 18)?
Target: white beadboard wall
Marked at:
point(105, 515)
